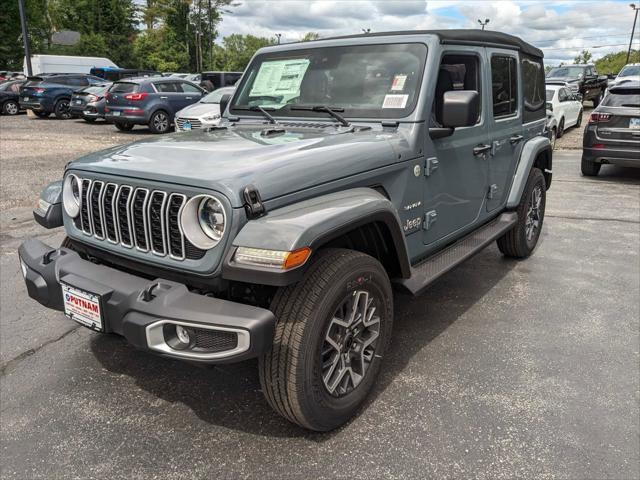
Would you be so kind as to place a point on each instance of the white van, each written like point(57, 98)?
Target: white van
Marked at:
point(65, 64)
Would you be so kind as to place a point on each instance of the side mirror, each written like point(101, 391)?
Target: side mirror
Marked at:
point(224, 102)
point(461, 108)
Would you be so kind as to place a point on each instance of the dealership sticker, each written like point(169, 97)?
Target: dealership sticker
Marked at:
point(395, 101)
point(81, 306)
point(398, 83)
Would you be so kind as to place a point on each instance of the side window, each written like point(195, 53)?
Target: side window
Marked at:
point(78, 82)
point(562, 95)
point(456, 72)
point(188, 88)
point(504, 80)
point(533, 86)
point(165, 87)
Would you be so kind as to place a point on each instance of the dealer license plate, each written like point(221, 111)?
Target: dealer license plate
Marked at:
point(83, 307)
point(25, 99)
point(186, 126)
point(634, 123)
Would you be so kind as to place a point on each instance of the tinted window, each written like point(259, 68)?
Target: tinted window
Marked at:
point(550, 94)
point(562, 95)
point(165, 87)
point(504, 79)
point(630, 70)
point(188, 88)
point(97, 89)
point(533, 88)
point(622, 98)
point(124, 87)
point(77, 81)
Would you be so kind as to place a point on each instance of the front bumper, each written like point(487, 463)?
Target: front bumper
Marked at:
point(138, 308)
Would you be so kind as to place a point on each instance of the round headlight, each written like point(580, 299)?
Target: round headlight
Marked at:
point(203, 221)
point(71, 194)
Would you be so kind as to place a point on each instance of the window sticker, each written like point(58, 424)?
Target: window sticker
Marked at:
point(395, 101)
point(280, 77)
point(398, 83)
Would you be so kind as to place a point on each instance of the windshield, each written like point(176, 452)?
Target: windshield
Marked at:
point(377, 81)
point(630, 70)
point(565, 72)
point(216, 95)
point(550, 94)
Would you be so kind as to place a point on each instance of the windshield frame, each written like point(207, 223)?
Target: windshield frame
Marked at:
point(271, 54)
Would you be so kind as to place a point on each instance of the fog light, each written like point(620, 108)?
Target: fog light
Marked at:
point(183, 334)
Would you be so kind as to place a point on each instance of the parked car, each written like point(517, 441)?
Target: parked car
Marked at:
point(88, 103)
point(211, 81)
point(280, 235)
point(47, 94)
point(149, 101)
point(628, 73)
point(10, 97)
point(7, 75)
point(582, 79)
point(613, 133)
point(113, 74)
point(551, 128)
point(566, 107)
point(203, 114)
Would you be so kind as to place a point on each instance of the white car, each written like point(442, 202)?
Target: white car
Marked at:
point(203, 114)
point(566, 107)
point(629, 73)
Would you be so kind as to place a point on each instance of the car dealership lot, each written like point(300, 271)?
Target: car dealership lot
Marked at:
point(502, 369)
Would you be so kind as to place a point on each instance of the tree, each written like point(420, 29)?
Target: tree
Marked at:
point(584, 57)
point(161, 50)
point(237, 50)
point(613, 62)
point(11, 45)
point(309, 36)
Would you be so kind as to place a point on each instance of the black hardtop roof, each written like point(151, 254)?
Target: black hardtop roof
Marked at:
point(463, 37)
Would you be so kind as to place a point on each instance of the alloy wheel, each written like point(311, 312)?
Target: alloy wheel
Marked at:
point(350, 343)
point(532, 224)
point(11, 108)
point(161, 122)
point(64, 110)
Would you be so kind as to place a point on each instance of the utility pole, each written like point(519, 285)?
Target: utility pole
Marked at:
point(633, 29)
point(486, 20)
point(25, 36)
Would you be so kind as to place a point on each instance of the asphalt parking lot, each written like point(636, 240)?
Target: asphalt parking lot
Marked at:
point(503, 369)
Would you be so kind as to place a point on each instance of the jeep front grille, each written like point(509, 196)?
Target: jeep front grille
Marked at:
point(139, 218)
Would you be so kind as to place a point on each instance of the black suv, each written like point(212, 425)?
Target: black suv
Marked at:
point(47, 94)
point(149, 101)
point(613, 132)
point(582, 79)
point(9, 95)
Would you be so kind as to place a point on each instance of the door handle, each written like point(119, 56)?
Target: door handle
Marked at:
point(481, 150)
point(189, 98)
point(164, 98)
point(515, 139)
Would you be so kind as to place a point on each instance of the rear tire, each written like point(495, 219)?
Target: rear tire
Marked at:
point(325, 358)
point(561, 128)
point(521, 240)
point(159, 122)
point(124, 126)
point(62, 110)
point(589, 168)
point(10, 107)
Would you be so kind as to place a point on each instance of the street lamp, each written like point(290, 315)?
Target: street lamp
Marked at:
point(366, 30)
point(486, 20)
point(278, 35)
point(635, 18)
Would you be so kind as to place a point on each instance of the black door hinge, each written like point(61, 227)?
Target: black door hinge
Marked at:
point(253, 202)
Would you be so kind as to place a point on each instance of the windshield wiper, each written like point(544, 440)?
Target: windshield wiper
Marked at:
point(323, 108)
point(263, 111)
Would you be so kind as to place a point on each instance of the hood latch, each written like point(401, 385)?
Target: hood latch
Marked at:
point(253, 202)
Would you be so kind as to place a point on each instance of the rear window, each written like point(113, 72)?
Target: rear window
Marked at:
point(622, 98)
point(95, 90)
point(124, 87)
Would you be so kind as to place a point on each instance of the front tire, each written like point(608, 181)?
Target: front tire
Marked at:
point(561, 128)
point(332, 331)
point(521, 240)
point(554, 136)
point(10, 107)
point(589, 168)
point(159, 122)
point(62, 110)
point(579, 120)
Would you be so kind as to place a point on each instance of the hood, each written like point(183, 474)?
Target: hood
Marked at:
point(227, 160)
point(198, 109)
point(563, 79)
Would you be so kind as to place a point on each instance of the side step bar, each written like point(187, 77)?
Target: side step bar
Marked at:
point(425, 273)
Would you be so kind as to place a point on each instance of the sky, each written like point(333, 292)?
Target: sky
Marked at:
point(562, 29)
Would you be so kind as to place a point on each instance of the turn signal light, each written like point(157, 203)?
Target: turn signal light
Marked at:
point(275, 259)
point(135, 96)
point(599, 117)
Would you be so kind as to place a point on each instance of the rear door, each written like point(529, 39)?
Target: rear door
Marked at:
point(505, 123)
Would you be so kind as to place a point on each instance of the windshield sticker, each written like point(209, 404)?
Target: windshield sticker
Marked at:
point(280, 77)
point(395, 101)
point(398, 83)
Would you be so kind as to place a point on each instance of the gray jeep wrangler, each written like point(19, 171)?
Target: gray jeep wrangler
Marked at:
point(343, 167)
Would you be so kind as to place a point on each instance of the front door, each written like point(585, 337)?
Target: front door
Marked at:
point(505, 123)
point(457, 167)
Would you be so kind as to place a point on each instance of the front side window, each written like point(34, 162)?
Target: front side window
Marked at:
point(376, 81)
point(562, 95)
point(456, 72)
point(504, 80)
point(188, 88)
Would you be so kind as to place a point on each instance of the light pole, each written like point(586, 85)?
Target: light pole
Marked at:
point(25, 36)
point(486, 20)
point(635, 18)
point(366, 30)
point(278, 35)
